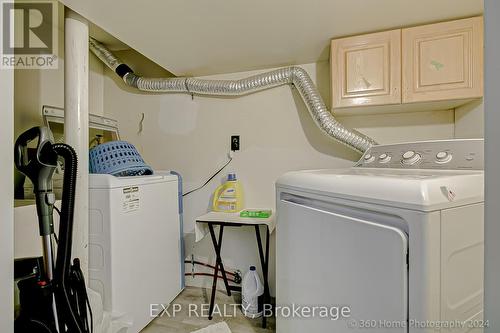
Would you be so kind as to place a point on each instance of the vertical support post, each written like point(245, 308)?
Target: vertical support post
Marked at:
point(492, 165)
point(7, 201)
point(76, 122)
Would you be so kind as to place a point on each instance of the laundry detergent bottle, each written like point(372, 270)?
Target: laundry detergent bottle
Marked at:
point(228, 197)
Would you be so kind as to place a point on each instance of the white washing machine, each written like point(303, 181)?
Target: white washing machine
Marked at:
point(134, 246)
point(397, 239)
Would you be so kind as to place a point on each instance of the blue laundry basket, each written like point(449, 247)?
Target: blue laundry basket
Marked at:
point(118, 158)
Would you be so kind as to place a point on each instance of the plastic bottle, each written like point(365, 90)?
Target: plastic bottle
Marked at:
point(252, 291)
point(228, 197)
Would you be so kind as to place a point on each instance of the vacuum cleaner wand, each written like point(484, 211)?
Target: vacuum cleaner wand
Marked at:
point(62, 286)
point(39, 164)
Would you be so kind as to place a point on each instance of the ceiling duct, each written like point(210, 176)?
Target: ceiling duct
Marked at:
point(292, 75)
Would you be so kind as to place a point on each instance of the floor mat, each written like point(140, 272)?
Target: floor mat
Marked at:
point(215, 328)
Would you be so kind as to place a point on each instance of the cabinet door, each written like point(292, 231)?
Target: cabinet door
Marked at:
point(366, 70)
point(443, 61)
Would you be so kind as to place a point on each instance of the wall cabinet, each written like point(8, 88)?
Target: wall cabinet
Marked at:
point(443, 61)
point(367, 69)
point(431, 65)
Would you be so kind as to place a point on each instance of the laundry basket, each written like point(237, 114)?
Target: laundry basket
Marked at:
point(118, 158)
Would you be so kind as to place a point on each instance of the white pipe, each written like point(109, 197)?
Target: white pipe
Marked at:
point(76, 123)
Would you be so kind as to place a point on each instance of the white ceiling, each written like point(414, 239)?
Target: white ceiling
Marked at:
point(200, 37)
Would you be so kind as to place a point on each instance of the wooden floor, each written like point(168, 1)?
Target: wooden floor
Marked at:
point(192, 304)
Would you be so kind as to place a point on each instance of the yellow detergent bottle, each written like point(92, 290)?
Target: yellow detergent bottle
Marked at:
point(228, 197)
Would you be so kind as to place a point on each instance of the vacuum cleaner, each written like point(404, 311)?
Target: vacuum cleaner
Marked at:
point(54, 299)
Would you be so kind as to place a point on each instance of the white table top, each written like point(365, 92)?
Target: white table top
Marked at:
point(234, 218)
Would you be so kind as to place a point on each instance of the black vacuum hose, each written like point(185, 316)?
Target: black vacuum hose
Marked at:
point(70, 287)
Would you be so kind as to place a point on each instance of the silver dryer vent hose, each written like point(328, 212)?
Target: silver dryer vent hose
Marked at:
point(288, 75)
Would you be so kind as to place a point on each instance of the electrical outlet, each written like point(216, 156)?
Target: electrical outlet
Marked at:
point(235, 142)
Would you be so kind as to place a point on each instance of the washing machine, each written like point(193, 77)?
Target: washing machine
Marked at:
point(135, 246)
point(393, 244)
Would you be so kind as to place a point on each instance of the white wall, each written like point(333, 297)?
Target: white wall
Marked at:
point(469, 120)
point(277, 135)
point(35, 88)
point(6, 201)
point(492, 181)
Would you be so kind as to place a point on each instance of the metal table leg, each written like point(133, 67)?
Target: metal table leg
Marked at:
point(264, 260)
point(218, 265)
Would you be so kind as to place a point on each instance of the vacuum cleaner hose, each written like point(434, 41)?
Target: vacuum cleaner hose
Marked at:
point(70, 286)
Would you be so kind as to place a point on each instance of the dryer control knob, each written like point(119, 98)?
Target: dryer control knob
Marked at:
point(384, 158)
point(369, 158)
point(443, 157)
point(411, 157)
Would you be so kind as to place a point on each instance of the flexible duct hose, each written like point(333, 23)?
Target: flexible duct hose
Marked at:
point(288, 75)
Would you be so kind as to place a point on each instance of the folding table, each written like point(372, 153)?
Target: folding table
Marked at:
point(205, 225)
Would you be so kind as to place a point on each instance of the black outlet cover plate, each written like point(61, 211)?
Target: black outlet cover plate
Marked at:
point(235, 142)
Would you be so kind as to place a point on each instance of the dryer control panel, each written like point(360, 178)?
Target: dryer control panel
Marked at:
point(457, 154)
